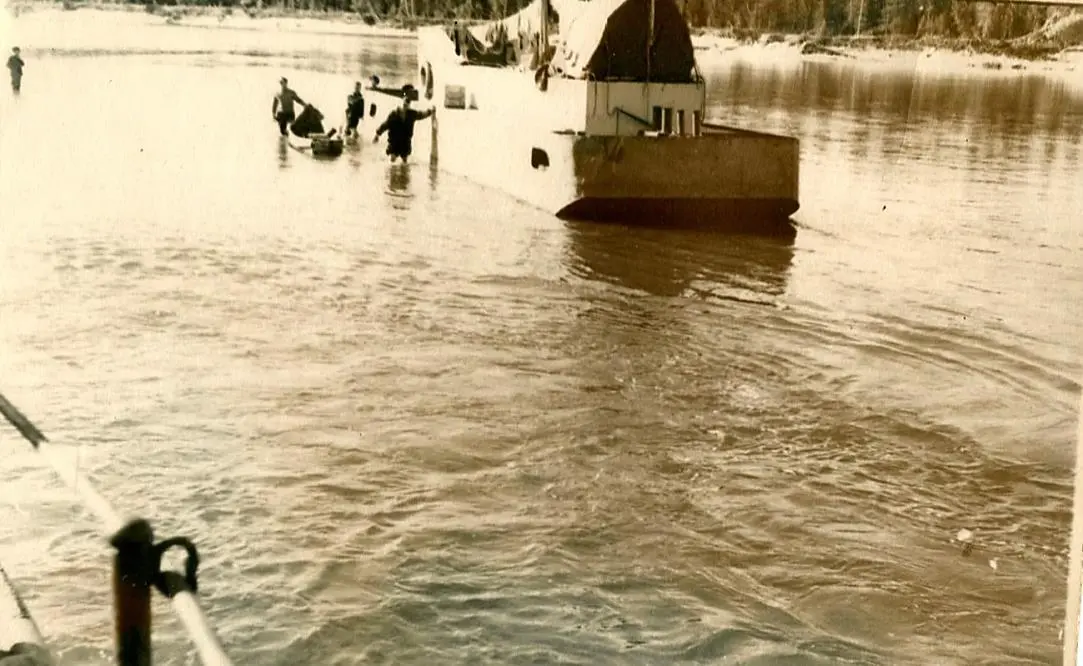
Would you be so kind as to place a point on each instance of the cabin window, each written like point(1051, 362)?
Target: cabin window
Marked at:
point(454, 97)
point(427, 79)
point(539, 158)
point(667, 120)
point(697, 123)
point(682, 129)
point(656, 118)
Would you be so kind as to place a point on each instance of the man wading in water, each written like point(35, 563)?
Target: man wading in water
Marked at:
point(16, 64)
point(400, 128)
point(355, 110)
point(282, 109)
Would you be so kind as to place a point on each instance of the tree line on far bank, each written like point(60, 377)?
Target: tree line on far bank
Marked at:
point(745, 19)
point(955, 19)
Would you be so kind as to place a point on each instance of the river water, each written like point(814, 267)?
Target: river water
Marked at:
point(408, 420)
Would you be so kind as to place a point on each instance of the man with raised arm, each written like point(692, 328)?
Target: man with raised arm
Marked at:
point(400, 128)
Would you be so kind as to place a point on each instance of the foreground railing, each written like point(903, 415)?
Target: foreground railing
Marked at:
point(137, 567)
point(18, 627)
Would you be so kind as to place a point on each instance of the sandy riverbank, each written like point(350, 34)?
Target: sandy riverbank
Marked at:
point(1038, 53)
point(338, 23)
point(712, 47)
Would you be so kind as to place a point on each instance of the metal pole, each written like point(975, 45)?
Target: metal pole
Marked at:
point(134, 570)
point(543, 29)
point(17, 626)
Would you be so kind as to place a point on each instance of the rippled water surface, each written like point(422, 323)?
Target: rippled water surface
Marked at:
point(409, 420)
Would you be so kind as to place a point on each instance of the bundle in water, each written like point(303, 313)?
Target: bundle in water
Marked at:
point(310, 121)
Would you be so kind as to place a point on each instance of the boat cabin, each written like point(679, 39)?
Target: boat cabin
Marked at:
point(614, 83)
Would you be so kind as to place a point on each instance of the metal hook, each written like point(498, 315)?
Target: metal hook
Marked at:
point(170, 583)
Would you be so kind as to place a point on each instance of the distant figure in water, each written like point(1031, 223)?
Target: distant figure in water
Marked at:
point(282, 109)
point(400, 128)
point(16, 64)
point(355, 110)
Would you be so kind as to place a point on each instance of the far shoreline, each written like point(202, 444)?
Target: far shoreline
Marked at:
point(712, 45)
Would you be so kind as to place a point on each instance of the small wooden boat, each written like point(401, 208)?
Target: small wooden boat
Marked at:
point(319, 145)
point(325, 145)
point(309, 128)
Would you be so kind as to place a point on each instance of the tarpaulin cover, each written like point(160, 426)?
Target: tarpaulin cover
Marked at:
point(310, 121)
point(476, 51)
point(526, 22)
point(607, 41)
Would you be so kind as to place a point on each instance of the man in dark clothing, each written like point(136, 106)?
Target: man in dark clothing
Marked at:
point(282, 108)
point(355, 110)
point(400, 128)
point(16, 64)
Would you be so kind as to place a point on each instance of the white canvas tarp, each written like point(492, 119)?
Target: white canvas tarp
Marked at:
point(527, 21)
point(603, 40)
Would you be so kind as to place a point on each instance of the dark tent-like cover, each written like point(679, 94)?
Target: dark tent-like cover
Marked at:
point(607, 41)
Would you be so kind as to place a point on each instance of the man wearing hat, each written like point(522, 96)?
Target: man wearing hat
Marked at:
point(282, 109)
point(400, 128)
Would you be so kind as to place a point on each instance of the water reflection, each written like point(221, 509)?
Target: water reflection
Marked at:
point(901, 109)
point(354, 151)
point(434, 174)
point(398, 185)
point(939, 162)
point(360, 65)
point(905, 95)
point(676, 262)
point(283, 153)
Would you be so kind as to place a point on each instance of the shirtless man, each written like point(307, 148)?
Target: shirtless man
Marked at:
point(282, 109)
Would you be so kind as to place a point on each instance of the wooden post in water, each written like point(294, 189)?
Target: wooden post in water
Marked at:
point(543, 29)
point(1074, 611)
point(650, 40)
